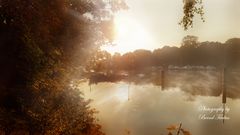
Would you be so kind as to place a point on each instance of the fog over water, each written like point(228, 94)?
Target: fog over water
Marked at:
point(149, 110)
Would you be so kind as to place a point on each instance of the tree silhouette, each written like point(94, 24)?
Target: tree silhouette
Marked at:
point(190, 41)
point(190, 9)
point(43, 46)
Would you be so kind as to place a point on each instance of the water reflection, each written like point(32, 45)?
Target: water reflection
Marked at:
point(195, 81)
point(150, 110)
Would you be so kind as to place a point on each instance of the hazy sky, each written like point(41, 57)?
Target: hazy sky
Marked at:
point(160, 18)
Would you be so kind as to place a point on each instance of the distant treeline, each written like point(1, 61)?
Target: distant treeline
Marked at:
point(190, 53)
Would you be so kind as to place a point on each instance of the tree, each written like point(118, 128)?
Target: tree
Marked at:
point(232, 52)
point(189, 50)
point(190, 41)
point(43, 44)
point(190, 9)
point(140, 56)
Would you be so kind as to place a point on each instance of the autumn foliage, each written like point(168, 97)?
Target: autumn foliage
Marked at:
point(42, 44)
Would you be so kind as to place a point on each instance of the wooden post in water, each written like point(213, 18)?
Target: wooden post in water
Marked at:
point(90, 86)
point(129, 91)
point(163, 76)
point(224, 92)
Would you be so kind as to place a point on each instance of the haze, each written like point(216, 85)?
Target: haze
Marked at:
point(158, 24)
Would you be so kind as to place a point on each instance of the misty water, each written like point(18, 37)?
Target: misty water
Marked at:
point(149, 110)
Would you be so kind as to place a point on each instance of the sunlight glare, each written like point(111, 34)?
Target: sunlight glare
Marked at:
point(122, 93)
point(130, 35)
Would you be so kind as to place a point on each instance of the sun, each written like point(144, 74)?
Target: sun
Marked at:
point(130, 35)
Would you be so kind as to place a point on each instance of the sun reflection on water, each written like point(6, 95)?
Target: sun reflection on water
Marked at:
point(122, 93)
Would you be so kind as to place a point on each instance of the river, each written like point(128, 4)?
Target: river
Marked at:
point(147, 110)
